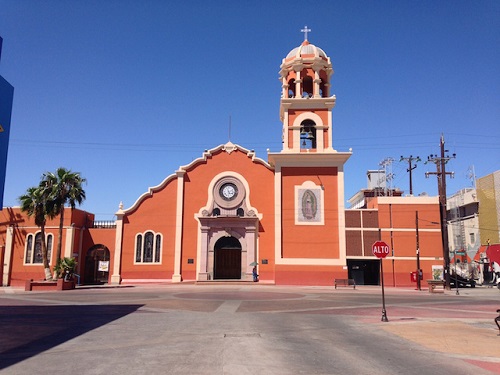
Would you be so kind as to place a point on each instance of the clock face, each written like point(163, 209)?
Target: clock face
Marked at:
point(228, 191)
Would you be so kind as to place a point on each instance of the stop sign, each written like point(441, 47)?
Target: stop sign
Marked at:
point(380, 249)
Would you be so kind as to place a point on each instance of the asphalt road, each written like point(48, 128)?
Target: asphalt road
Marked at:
point(248, 329)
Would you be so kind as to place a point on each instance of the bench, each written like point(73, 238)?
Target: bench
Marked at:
point(345, 282)
point(435, 283)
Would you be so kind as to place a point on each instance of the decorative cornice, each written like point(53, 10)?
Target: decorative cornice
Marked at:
point(229, 147)
point(327, 158)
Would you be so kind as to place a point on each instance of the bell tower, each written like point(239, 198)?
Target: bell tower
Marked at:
point(306, 103)
point(309, 173)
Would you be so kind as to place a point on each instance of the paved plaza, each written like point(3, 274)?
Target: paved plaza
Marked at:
point(248, 328)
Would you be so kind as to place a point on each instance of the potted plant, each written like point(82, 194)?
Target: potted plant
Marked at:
point(65, 269)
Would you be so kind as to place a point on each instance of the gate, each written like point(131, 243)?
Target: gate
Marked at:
point(97, 265)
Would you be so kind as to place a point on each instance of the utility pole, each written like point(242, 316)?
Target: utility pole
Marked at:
point(410, 159)
point(441, 173)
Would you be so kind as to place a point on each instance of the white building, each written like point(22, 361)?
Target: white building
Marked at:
point(463, 222)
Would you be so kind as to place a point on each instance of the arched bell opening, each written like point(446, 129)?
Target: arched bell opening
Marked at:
point(291, 88)
point(307, 135)
point(307, 87)
point(323, 85)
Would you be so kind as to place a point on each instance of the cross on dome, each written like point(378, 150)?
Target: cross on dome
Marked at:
point(305, 30)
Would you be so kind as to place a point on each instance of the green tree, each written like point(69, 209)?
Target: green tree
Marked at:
point(65, 188)
point(34, 203)
point(65, 267)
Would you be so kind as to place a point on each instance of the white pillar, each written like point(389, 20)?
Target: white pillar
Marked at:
point(251, 240)
point(203, 274)
point(7, 259)
point(320, 139)
point(330, 130)
point(285, 129)
point(80, 246)
point(70, 237)
point(277, 213)
point(298, 81)
point(298, 91)
point(116, 277)
point(317, 81)
point(341, 217)
point(177, 277)
point(284, 88)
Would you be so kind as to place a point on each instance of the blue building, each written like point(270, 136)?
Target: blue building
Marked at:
point(6, 97)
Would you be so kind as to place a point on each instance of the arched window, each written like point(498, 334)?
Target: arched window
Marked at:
point(148, 247)
point(138, 248)
point(157, 248)
point(29, 247)
point(33, 250)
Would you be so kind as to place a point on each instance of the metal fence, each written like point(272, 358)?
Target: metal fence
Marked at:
point(104, 224)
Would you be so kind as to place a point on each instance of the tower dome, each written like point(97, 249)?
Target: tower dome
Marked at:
point(306, 49)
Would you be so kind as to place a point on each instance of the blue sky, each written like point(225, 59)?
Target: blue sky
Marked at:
point(125, 92)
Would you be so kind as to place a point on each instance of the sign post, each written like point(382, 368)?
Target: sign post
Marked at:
point(380, 249)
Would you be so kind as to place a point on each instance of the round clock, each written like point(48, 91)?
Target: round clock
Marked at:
point(228, 191)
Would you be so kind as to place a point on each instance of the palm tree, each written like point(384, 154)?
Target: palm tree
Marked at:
point(34, 203)
point(66, 188)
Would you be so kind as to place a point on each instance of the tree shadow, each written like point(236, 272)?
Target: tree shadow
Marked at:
point(26, 331)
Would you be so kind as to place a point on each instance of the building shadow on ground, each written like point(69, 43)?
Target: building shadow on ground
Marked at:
point(26, 331)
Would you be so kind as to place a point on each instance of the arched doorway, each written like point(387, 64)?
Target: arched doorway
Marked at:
point(227, 258)
point(97, 265)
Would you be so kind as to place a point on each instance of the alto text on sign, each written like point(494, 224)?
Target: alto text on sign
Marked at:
point(380, 249)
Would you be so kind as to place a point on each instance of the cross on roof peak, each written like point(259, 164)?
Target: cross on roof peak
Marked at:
point(305, 30)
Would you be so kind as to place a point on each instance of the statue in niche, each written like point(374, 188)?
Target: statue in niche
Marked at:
point(309, 205)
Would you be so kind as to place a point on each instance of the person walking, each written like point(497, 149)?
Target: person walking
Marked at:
point(254, 274)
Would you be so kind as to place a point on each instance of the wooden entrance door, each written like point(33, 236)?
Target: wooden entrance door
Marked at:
point(227, 259)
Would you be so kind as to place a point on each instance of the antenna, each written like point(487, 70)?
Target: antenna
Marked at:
point(229, 130)
point(387, 162)
point(471, 174)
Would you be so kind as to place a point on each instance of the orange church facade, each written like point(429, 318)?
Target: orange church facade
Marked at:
point(220, 215)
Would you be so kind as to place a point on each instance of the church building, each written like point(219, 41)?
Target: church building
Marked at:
point(229, 210)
